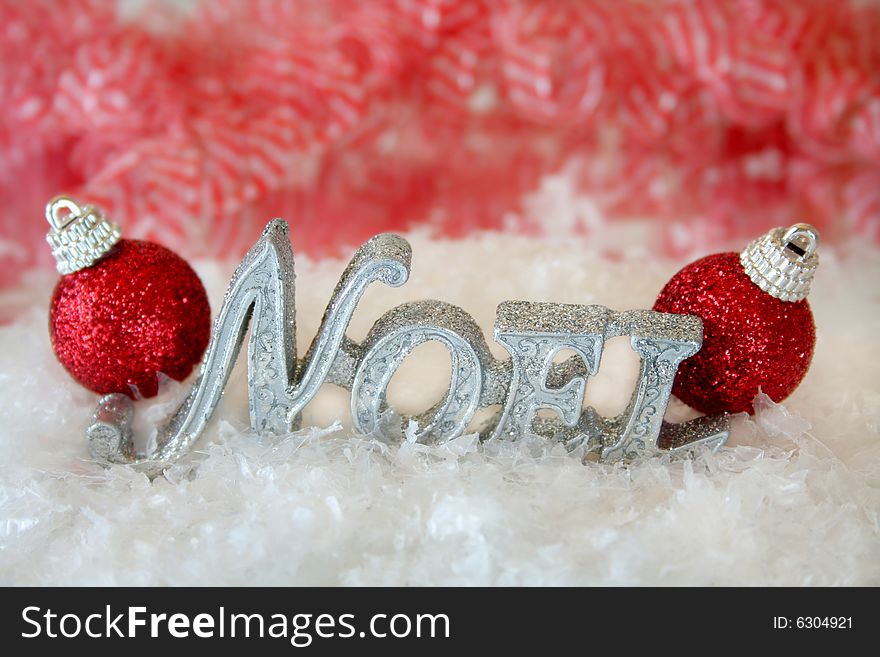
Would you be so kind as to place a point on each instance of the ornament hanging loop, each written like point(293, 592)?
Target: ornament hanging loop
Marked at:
point(800, 241)
point(56, 206)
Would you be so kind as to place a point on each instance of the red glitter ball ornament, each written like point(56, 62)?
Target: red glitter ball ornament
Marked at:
point(138, 310)
point(753, 340)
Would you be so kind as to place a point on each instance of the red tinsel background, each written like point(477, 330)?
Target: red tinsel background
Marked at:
point(193, 123)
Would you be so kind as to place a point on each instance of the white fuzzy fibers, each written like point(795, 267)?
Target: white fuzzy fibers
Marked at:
point(793, 499)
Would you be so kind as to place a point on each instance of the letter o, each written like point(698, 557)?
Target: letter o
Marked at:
point(77, 623)
point(393, 622)
point(392, 339)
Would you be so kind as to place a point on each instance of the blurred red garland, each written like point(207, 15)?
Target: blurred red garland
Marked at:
point(351, 117)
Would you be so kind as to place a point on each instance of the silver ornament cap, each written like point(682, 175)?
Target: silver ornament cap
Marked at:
point(784, 261)
point(79, 236)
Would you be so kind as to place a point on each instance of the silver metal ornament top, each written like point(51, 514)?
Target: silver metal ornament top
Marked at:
point(79, 236)
point(784, 261)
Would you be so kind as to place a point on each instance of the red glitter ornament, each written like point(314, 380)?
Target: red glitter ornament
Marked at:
point(126, 310)
point(758, 330)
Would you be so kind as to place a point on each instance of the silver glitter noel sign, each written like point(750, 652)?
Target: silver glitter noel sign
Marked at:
point(261, 296)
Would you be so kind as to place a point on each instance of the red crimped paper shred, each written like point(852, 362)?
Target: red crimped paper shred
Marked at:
point(192, 124)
